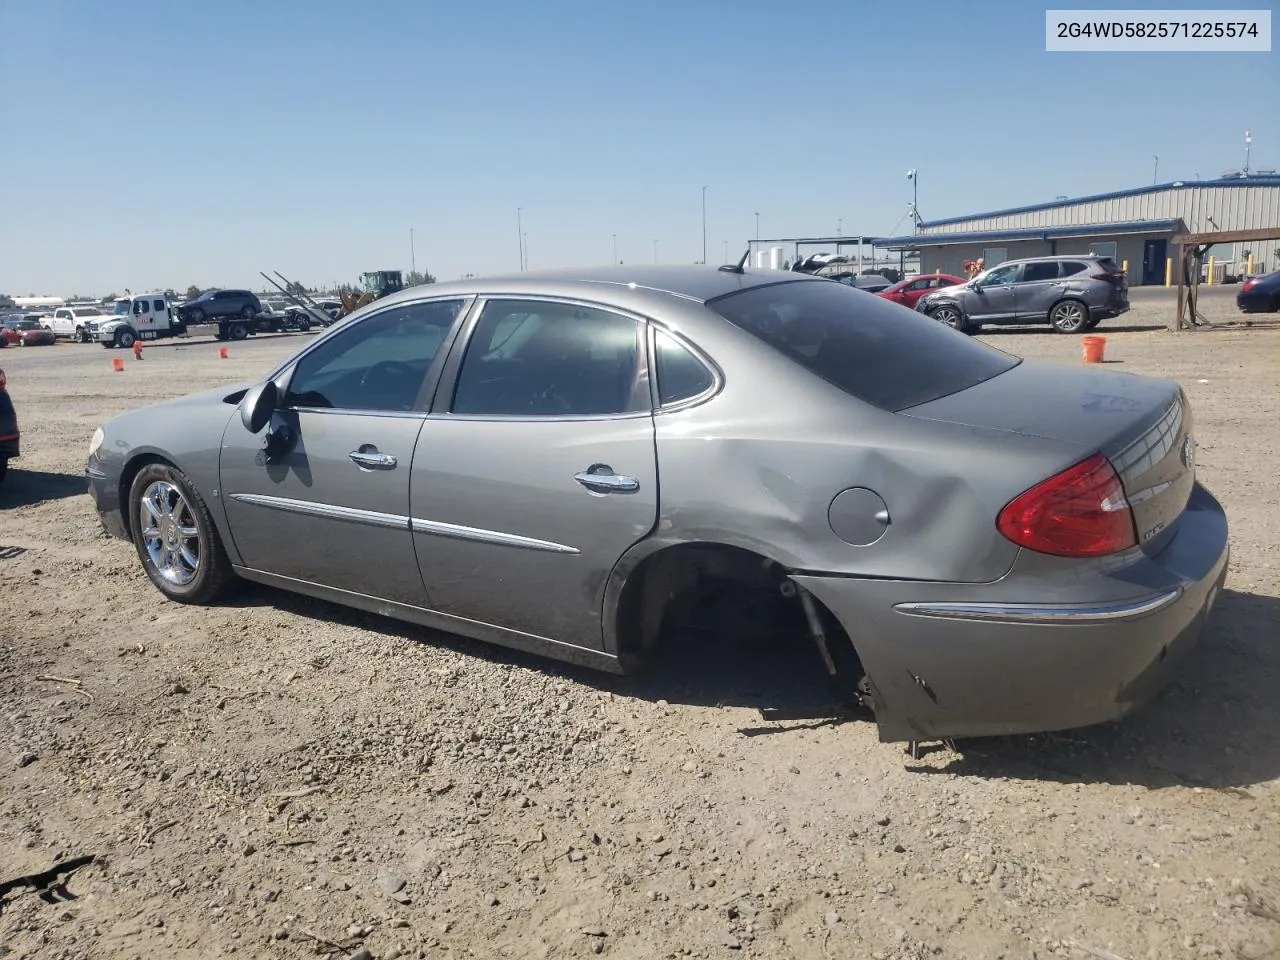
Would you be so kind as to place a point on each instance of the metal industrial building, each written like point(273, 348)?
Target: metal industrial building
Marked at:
point(1134, 226)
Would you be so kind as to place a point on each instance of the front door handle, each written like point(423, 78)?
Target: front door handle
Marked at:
point(607, 482)
point(369, 458)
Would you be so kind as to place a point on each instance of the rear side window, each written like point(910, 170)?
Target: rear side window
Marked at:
point(681, 375)
point(1040, 270)
point(1071, 267)
point(865, 345)
point(158, 305)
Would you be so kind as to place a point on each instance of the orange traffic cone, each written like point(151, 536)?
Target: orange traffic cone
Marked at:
point(137, 349)
point(222, 352)
point(117, 365)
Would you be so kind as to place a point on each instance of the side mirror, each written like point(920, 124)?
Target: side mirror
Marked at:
point(258, 404)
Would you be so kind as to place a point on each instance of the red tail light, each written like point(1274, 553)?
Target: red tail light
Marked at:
point(1082, 512)
point(3, 381)
point(1249, 284)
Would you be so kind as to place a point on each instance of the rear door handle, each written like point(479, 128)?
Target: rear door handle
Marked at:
point(369, 458)
point(607, 482)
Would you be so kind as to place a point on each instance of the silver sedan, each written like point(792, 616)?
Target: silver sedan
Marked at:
point(978, 544)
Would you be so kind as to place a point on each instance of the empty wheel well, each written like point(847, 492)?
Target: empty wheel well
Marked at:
point(667, 587)
point(131, 470)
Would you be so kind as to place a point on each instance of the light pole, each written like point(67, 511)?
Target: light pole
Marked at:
point(520, 237)
point(914, 177)
point(1248, 142)
point(704, 225)
point(615, 249)
point(525, 239)
point(1155, 173)
point(413, 260)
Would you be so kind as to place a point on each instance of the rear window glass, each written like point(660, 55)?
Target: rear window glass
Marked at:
point(867, 346)
point(1071, 267)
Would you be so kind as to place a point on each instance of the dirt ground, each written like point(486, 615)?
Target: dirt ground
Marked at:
point(277, 777)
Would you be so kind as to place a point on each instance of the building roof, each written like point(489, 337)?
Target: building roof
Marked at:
point(916, 240)
point(1269, 179)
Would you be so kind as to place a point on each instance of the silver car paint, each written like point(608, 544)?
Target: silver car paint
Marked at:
point(507, 546)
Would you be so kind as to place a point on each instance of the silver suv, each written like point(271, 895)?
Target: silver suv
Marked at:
point(1071, 294)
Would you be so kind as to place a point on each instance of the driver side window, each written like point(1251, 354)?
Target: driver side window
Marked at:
point(378, 364)
point(1001, 275)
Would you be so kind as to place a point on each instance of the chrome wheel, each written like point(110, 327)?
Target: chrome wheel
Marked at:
point(169, 533)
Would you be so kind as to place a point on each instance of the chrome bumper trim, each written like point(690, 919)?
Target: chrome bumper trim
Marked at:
point(1041, 613)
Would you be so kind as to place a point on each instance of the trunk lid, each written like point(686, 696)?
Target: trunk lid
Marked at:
point(1141, 424)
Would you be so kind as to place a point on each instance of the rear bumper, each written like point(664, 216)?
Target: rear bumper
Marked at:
point(1251, 302)
point(952, 660)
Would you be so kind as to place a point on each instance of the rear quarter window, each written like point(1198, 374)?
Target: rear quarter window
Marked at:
point(865, 345)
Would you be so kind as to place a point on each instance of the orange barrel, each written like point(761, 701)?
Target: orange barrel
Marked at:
point(117, 365)
point(1094, 348)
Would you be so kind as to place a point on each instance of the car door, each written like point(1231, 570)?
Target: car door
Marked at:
point(331, 505)
point(1038, 289)
point(536, 470)
point(994, 299)
point(63, 323)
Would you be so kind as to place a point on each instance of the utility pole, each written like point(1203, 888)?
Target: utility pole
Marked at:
point(1155, 174)
point(520, 237)
point(615, 249)
point(413, 260)
point(1248, 142)
point(704, 225)
point(757, 227)
point(525, 238)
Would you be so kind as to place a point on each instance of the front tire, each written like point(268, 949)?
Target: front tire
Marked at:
point(125, 339)
point(950, 315)
point(1069, 316)
point(174, 535)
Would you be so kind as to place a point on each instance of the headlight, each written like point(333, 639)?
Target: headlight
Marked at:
point(96, 441)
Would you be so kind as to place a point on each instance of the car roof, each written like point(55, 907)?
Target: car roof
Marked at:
point(690, 282)
point(1061, 256)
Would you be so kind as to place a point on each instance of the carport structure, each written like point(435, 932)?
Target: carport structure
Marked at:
point(1191, 248)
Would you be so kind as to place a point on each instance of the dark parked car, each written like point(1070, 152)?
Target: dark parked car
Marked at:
point(1260, 294)
point(9, 433)
point(1071, 294)
point(562, 461)
point(220, 304)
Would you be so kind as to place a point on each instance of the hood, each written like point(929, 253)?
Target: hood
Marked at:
point(229, 395)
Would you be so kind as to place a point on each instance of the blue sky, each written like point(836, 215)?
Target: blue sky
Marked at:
point(155, 144)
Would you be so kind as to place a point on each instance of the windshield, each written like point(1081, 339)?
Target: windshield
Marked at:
point(87, 312)
point(122, 307)
point(22, 325)
point(869, 347)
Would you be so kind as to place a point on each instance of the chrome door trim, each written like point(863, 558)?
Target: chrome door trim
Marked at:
point(1042, 613)
point(480, 535)
point(329, 511)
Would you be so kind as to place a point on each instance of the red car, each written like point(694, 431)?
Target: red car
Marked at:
point(26, 333)
point(907, 292)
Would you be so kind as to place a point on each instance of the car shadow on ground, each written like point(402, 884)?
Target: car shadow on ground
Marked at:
point(1216, 725)
point(1100, 331)
point(23, 488)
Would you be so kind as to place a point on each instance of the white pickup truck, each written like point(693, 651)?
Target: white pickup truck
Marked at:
point(73, 322)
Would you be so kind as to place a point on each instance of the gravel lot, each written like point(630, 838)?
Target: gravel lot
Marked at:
point(277, 777)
